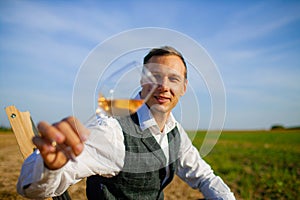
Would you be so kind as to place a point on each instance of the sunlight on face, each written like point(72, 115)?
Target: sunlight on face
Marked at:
point(169, 73)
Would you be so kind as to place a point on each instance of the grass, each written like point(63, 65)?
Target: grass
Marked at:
point(257, 164)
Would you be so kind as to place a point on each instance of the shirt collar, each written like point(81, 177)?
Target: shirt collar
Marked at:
point(146, 119)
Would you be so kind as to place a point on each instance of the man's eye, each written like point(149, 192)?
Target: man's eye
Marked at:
point(174, 79)
point(157, 76)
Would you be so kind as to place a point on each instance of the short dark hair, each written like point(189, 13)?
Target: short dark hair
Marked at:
point(165, 51)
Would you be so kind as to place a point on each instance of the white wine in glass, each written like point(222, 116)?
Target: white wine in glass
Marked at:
point(117, 91)
point(119, 107)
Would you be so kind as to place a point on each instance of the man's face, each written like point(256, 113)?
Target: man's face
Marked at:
point(169, 72)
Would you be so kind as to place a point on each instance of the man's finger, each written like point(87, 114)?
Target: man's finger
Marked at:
point(72, 139)
point(78, 128)
point(44, 146)
point(50, 132)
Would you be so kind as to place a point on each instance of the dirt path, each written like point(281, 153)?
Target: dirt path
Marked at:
point(10, 165)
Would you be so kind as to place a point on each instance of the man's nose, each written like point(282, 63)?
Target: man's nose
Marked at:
point(163, 83)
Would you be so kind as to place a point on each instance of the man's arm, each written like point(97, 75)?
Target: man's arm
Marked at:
point(103, 154)
point(37, 181)
point(198, 174)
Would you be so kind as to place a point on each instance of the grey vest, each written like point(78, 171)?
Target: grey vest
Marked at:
point(144, 169)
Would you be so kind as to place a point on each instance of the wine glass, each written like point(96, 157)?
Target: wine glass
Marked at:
point(118, 89)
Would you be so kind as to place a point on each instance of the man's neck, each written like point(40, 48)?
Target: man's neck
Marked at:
point(160, 118)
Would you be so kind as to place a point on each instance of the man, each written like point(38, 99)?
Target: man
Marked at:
point(133, 157)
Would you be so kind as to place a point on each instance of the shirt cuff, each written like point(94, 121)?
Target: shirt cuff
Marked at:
point(34, 172)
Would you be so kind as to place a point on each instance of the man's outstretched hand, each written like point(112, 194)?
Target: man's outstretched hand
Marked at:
point(60, 142)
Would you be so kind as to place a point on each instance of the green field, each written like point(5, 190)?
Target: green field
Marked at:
point(257, 164)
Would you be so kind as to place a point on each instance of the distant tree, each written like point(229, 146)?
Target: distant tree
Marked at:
point(5, 129)
point(277, 126)
point(294, 128)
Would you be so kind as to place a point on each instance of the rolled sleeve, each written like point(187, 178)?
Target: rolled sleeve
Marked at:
point(103, 154)
point(35, 179)
point(198, 174)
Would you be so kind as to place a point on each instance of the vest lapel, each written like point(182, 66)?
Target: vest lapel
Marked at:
point(146, 137)
point(174, 143)
point(150, 142)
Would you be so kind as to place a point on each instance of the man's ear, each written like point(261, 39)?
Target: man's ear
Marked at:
point(184, 86)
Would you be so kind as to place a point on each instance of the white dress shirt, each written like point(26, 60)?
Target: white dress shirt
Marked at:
point(104, 154)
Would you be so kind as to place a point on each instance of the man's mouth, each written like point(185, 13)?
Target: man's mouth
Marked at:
point(162, 99)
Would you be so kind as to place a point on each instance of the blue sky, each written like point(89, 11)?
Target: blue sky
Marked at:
point(255, 44)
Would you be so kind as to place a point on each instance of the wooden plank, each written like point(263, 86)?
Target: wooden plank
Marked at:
point(24, 130)
point(22, 127)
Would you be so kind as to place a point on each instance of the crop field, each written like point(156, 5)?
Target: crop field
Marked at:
point(255, 165)
point(258, 164)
